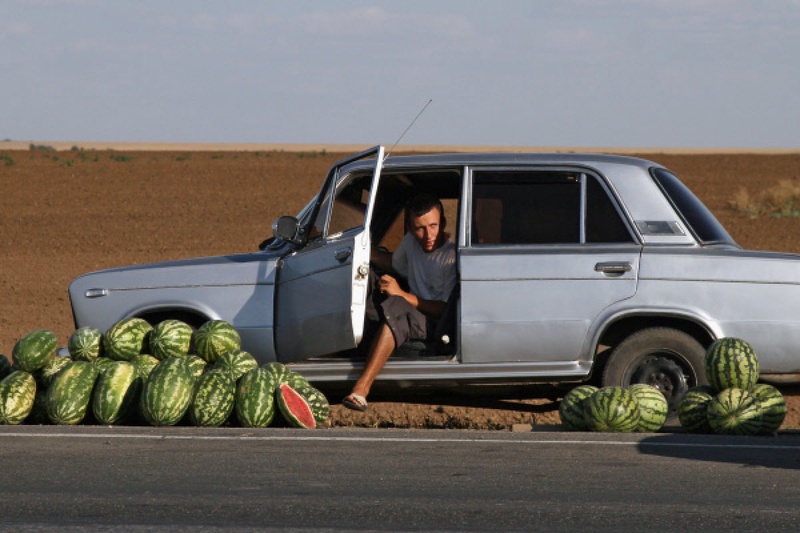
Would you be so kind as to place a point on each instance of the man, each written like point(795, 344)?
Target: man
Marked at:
point(427, 260)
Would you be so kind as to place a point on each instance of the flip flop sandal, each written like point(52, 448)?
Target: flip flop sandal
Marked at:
point(356, 402)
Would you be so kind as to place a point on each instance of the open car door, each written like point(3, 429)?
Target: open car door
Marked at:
point(321, 288)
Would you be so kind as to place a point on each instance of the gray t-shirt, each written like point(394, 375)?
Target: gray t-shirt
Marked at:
point(431, 276)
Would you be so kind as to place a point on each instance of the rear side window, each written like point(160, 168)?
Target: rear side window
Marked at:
point(542, 207)
point(704, 225)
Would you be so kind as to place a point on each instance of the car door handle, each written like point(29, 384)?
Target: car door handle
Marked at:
point(342, 254)
point(613, 268)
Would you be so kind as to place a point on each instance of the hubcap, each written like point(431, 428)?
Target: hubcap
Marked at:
point(664, 373)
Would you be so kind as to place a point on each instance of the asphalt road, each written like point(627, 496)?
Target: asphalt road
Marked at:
point(191, 479)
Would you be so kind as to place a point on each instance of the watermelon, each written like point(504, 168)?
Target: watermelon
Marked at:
point(116, 393)
point(653, 407)
point(734, 411)
point(731, 363)
point(144, 364)
point(773, 407)
point(167, 392)
point(196, 364)
point(255, 398)
point(85, 344)
point(126, 339)
point(294, 408)
point(693, 407)
point(70, 394)
point(213, 400)
point(278, 371)
point(17, 394)
point(612, 409)
point(101, 363)
point(32, 351)
point(294, 379)
point(571, 408)
point(170, 338)
point(50, 370)
point(214, 338)
point(237, 362)
point(320, 407)
point(5, 366)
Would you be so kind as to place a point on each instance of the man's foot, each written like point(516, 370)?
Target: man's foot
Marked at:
point(354, 401)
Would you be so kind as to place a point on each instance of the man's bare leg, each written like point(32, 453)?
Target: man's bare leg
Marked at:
point(382, 348)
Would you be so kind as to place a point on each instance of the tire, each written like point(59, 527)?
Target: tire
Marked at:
point(667, 358)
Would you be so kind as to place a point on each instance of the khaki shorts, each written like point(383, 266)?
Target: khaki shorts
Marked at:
point(406, 322)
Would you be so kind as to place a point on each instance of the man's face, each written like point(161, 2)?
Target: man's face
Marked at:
point(427, 230)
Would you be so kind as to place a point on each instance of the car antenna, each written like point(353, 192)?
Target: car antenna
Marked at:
point(408, 128)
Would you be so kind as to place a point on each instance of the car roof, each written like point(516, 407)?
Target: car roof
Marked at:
point(504, 158)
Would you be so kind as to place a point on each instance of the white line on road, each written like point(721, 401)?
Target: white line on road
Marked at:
point(331, 438)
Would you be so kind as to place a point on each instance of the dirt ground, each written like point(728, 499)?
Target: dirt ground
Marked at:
point(63, 213)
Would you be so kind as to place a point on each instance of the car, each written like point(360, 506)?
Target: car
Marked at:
point(571, 268)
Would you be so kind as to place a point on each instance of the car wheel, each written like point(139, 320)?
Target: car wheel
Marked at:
point(669, 359)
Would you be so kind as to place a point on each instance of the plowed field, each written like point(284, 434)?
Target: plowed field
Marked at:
point(63, 213)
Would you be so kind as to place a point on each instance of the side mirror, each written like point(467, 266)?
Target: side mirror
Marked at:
point(287, 228)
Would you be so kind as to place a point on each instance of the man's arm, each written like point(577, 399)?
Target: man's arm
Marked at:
point(432, 308)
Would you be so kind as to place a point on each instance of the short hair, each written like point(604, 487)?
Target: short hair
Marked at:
point(421, 204)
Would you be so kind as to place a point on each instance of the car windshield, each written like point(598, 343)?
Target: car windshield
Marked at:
point(701, 222)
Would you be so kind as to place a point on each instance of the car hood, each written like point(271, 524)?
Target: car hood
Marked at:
point(237, 269)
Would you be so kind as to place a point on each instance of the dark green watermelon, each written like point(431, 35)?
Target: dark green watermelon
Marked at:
point(32, 351)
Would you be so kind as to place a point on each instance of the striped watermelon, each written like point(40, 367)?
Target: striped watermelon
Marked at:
point(773, 407)
point(17, 394)
point(101, 363)
point(693, 407)
point(734, 412)
point(215, 338)
point(612, 409)
point(126, 339)
point(255, 398)
point(170, 338)
point(572, 406)
point(213, 401)
point(277, 370)
point(237, 362)
point(32, 351)
point(653, 407)
point(116, 393)
point(731, 363)
point(51, 369)
point(294, 408)
point(144, 364)
point(85, 344)
point(294, 379)
point(167, 392)
point(70, 393)
point(320, 407)
point(197, 365)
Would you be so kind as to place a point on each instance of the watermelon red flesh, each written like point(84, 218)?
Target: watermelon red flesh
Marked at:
point(295, 408)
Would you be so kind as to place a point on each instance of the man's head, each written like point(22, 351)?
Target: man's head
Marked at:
point(425, 220)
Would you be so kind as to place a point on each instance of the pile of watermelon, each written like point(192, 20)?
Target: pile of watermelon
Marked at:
point(733, 403)
point(637, 407)
point(161, 375)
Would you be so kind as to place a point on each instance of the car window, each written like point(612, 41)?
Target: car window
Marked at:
point(542, 207)
point(695, 214)
point(350, 204)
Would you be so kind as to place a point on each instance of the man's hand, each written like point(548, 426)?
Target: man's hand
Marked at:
point(389, 286)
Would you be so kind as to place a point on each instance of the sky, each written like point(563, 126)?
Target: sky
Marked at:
point(599, 73)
